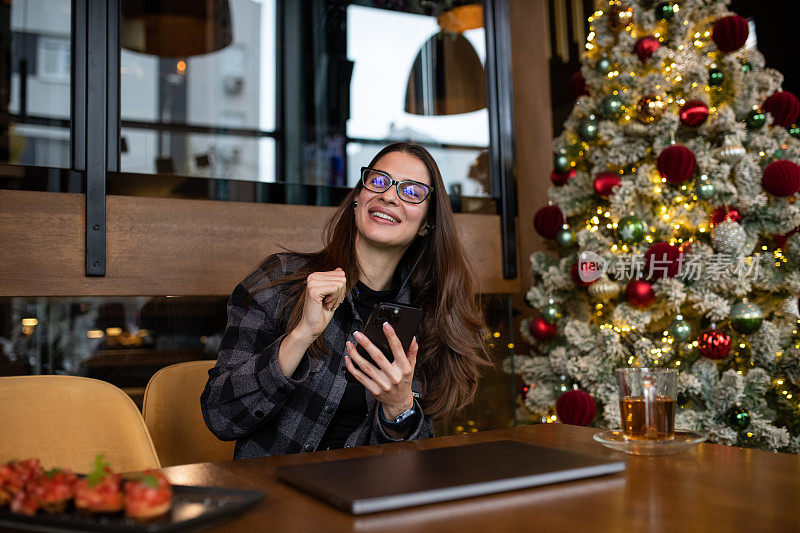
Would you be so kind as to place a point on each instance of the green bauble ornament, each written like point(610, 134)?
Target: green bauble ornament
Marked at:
point(755, 119)
point(630, 229)
point(551, 313)
point(746, 67)
point(665, 11)
point(738, 418)
point(603, 65)
point(565, 238)
point(703, 188)
point(794, 131)
point(715, 77)
point(587, 129)
point(746, 317)
point(679, 329)
point(611, 107)
point(563, 163)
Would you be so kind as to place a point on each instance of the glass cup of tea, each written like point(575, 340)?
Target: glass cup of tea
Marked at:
point(647, 402)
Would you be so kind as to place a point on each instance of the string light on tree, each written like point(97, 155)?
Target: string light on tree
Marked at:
point(666, 11)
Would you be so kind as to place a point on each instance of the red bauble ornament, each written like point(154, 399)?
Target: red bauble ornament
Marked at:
point(523, 391)
point(548, 221)
point(577, 85)
point(576, 407)
point(640, 293)
point(662, 260)
point(784, 108)
point(541, 329)
point(714, 344)
point(724, 212)
point(694, 113)
point(575, 275)
point(676, 163)
point(730, 33)
point(645, 47)
point(781, 178)
point(605, 182)
point(560, 178)
point(780, 240)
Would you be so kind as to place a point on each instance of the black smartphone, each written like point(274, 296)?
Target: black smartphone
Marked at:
point(404, 319)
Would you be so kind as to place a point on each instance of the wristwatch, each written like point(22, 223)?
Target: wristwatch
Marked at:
point(402, 420)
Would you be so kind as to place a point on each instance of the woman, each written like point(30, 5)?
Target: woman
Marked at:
point(289, 377)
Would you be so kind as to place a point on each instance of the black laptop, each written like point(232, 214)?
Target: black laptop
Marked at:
point(383, 482)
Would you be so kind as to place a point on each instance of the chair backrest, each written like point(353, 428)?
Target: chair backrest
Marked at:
point(172, 413)
point(66, 421)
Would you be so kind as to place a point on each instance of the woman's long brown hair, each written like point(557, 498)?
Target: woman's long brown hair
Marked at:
point(451, 342)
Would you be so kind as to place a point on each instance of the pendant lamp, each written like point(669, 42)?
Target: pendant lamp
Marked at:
point(447, 77)
point(175, 28)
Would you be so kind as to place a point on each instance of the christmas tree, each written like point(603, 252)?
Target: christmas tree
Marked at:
point(672, 227)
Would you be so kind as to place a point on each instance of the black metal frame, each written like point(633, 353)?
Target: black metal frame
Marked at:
point(499, 93)
point(95, 114)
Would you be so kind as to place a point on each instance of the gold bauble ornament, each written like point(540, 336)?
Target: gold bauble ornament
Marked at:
point(604, 289)
point(620, 17)
point(649, 108)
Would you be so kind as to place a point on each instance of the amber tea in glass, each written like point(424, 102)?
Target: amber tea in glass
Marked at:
point(647, 402)
point(634, 418)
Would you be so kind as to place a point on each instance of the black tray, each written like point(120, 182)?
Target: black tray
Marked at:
point(192, 507)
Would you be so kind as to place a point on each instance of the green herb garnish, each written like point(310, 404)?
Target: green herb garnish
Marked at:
point(149, 480)
point(99, 471)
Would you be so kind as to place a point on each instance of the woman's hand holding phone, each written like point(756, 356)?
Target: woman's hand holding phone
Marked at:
point(389, 382)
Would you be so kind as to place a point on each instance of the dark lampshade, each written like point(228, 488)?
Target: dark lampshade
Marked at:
point(447, 78)
point(175, 28)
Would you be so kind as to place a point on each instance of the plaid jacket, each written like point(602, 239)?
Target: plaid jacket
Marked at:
point(247, 397)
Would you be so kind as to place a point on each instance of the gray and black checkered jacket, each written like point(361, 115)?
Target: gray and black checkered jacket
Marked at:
point(248, 399)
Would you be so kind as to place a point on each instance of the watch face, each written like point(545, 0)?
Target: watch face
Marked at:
point(402, 416)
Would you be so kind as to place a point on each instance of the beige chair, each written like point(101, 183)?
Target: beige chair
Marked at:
point(172, 413)
point(66, 421)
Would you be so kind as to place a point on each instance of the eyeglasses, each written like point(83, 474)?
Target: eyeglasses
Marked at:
point(409, 191)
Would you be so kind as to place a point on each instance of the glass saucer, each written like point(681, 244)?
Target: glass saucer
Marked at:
point(613, 438)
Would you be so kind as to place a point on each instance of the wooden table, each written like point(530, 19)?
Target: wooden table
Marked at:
point(710, 488)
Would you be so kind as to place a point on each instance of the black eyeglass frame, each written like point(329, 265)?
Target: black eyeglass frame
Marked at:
point(396, 184)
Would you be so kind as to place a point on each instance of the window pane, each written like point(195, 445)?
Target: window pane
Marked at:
point(207, 114)
point(123, 340)
point(382, 106)
point(384, 45)
point(35, 79)
point(146, 151)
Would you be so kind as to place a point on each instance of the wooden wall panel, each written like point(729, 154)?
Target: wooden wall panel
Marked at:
point(533, 129)
point(158, 246)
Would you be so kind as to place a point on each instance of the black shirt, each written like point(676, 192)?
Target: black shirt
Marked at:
point(352, 408)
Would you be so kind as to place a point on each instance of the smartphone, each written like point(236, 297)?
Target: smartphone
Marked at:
point(404, 319)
